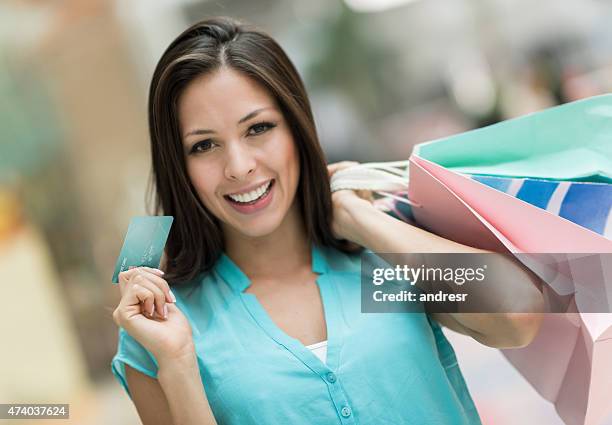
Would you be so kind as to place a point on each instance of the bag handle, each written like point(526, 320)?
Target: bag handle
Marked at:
point(379, 177)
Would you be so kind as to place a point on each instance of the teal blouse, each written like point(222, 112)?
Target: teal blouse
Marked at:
point(385, 368)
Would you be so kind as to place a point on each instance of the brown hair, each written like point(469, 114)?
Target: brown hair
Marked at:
point(196, 242)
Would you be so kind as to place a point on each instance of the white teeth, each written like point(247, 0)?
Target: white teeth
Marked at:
point(252, 195)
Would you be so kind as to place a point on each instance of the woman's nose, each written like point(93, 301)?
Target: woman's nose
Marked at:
point(240, 162)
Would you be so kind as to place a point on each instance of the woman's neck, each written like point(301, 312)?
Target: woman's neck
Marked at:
point(279, 254)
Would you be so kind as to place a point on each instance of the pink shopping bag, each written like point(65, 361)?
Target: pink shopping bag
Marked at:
point(570, 361)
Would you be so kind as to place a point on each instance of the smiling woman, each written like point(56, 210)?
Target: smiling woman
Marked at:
point(261, 272)
point(239, 98)
point(242, 158)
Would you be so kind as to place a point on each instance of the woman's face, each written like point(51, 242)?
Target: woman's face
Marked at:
point(239, 151)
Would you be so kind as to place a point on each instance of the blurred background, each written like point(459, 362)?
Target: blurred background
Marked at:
point(383, 75)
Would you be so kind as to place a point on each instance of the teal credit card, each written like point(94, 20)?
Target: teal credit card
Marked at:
point(144, 243)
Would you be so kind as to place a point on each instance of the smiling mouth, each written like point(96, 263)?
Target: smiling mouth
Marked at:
point(246, 200)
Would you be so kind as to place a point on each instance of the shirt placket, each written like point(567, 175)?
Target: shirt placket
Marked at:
point(328, 371)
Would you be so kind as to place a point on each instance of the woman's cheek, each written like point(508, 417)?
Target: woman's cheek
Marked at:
point(287, 156)
point(203, 187)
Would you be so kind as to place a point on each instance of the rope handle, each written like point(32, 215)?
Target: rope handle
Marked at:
point(379, 177)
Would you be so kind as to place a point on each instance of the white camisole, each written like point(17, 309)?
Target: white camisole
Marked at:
point(319, 349)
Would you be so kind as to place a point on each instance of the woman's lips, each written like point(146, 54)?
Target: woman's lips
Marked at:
point(250, 188)
point(258, 205)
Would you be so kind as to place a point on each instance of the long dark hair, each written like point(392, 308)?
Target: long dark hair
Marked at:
point(196, 241)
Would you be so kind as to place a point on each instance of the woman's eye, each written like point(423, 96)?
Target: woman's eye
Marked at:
point(202, 146)
point(261, 127)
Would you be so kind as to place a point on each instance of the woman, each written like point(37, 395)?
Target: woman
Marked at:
point(261, 278)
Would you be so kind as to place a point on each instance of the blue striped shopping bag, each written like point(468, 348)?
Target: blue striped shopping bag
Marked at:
point(585, 203)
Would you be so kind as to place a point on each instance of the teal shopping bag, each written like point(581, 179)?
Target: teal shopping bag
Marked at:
point(567, 142)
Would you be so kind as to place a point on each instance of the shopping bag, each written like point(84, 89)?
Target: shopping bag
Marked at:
point(569, 362)
point(572, 142)
point(584, 203)
point(567, 142)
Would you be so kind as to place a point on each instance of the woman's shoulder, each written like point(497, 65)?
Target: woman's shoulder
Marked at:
point(193, 290)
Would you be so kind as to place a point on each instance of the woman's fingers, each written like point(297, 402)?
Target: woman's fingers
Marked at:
point(332, 168)
point(337, 166)
point(152, 274)
point(365, 194)
point(148, 307)
point(159, 281)
point(134, 296)
point(126, 275)
point(138, 299)
point(150, 279)
point(159, 296)
point(140, 294)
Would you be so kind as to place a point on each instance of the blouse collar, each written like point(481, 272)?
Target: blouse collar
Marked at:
point(238, 281)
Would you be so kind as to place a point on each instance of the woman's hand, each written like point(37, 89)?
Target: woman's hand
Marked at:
point(347, 203)
point(148, 313)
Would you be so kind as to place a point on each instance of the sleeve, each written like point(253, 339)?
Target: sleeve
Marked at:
point(132, 353)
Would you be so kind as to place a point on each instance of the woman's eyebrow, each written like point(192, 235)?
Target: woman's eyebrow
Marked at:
point(198, 132)
point(252, 114)
point(202, 131)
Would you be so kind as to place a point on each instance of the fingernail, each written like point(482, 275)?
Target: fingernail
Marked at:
point(165, 311)
point(172, 295)
point(160, 271)
point(152, 310)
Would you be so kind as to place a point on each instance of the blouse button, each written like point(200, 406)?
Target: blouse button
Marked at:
point(346, 411)
point(331, 377)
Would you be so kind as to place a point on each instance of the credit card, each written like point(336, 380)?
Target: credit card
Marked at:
point(144, 243)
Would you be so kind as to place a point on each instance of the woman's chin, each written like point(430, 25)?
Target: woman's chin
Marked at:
point(257, 228)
